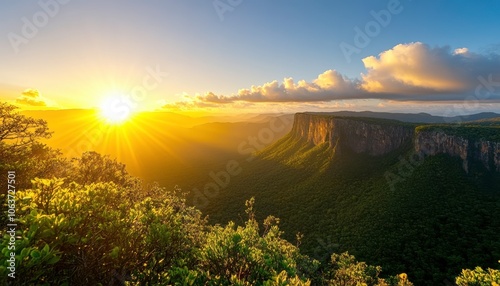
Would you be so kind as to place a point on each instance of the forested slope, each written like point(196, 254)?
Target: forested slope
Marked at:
point(423, 215)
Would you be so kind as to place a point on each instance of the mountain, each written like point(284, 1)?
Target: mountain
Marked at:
point(378, 137)
point(423, 199)
point(471, 143)
point(361, 135)
point(166, 147)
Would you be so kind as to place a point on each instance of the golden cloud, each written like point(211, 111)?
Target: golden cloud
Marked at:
point(407, 72)
point(31, 97)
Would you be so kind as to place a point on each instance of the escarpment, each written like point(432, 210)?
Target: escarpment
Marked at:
point(373, 137)
point(377, 137)
point(434, 142)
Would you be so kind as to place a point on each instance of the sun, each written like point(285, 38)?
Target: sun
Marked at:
point(116, 109)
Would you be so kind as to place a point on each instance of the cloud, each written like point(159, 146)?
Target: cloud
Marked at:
point(407, 72)
point(417, 69)
point(31, 97)
point(327, 86)
point(461, 51)
point(32, 93)
point(187, 105)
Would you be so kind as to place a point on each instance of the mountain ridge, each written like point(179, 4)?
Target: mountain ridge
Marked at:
point(379, 136)
point(358, 134)
point(421, 117)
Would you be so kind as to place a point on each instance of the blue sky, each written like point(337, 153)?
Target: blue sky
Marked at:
point(90, 49)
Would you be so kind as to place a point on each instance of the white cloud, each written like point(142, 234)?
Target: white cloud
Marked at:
point(416, 68)
point(407, 72)
point(461, 51)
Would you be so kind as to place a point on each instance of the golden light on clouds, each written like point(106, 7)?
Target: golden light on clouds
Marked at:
point(412, 68)
point(31, 98)
point(407, 72)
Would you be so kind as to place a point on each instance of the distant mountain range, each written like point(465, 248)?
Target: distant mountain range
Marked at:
point(414, 117)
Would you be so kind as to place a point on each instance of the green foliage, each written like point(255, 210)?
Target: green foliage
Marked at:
point(90, 234)
point(93, 167)
point(18, 131)
point(436, 220)
point(345, 270)
point(242, 255)
point(475, 131)
point(479, 277)
point(35, 161)
point(86, 235)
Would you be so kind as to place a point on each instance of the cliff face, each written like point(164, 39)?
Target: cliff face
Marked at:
point(379, 137)
point(438, 142)
point(355, 134)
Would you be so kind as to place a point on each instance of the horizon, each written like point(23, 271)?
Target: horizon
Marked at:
point(197, 114)
point(389, 56)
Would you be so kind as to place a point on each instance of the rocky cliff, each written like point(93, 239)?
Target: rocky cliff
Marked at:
point(370, 136)
point(432, 142)
point(378, 137)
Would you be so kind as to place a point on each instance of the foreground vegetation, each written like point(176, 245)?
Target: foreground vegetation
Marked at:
point(86, 221)
point(110, 234)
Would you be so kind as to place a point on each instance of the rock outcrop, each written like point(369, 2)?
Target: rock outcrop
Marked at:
point(438, 142)
point(373, 137)
point(378, 137)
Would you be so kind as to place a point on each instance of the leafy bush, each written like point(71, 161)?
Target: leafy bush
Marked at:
point(479, 277)
point(345, 270)
point(243, 256)
point(95, 233)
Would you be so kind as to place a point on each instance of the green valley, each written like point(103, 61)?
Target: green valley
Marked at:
point(423, 215)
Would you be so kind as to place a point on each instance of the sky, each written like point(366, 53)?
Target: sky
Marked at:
point(435, 56)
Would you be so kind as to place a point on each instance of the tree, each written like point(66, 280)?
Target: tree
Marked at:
point(20, 150)
point(478, 277)
point(93, 167)
point(242, 255)
point(86, 235)
point(18, 131)
point(345, 270)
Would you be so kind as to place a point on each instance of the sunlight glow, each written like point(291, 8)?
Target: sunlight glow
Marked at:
point(116, 109)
